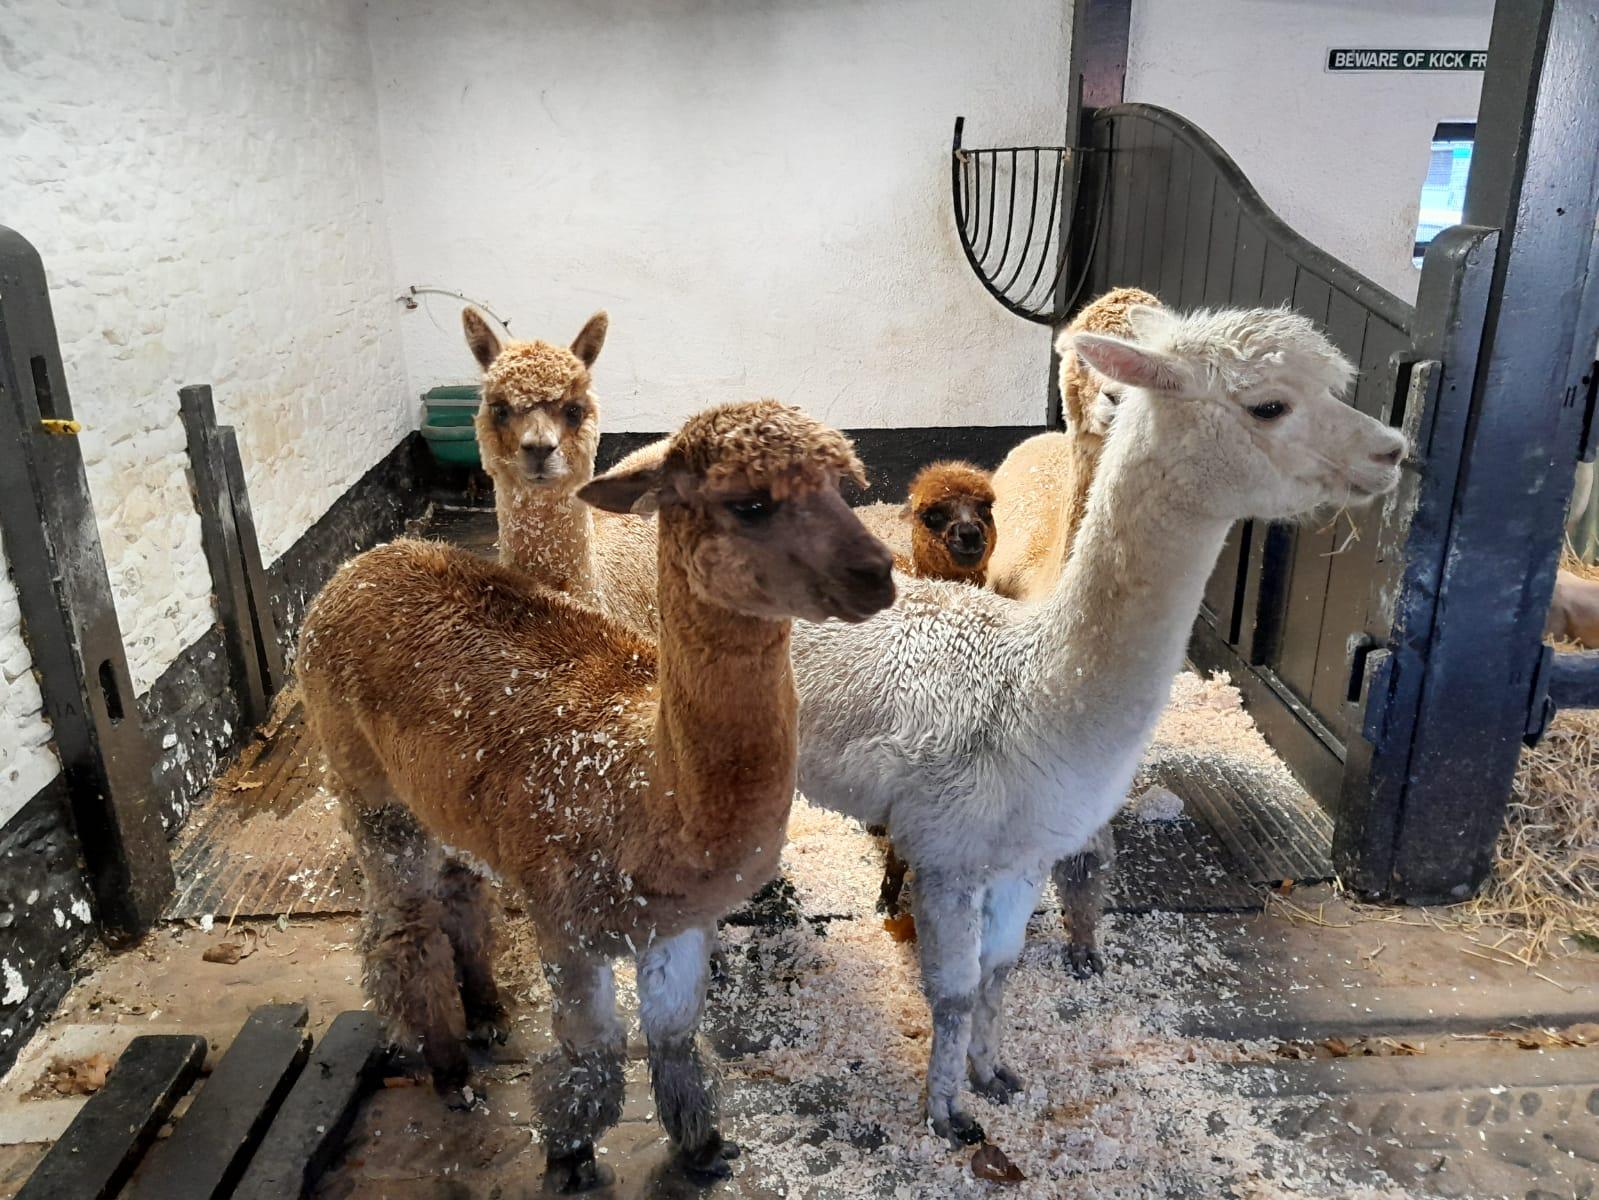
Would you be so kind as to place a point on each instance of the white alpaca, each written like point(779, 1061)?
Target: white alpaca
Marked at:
point(994, 739)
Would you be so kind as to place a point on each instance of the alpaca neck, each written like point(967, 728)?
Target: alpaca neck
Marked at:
point(547, 534)
point(725, 737)
point(1110, 637)
point(1085, 454)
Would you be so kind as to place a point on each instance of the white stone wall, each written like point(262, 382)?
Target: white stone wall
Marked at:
point(201, 178)
point(1340, 157)
point(758, 192)
point(27, 762)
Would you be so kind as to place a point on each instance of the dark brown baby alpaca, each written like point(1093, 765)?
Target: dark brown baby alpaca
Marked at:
point(633, 792)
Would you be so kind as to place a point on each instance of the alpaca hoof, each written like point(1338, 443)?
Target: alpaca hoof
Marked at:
point(958, 1129)
point(1084, 961)
point(710, 1161)
point(465, 1098)
point(569, 1174)
point(491, 1029)
point(1005, 1084)
point(451, 1073)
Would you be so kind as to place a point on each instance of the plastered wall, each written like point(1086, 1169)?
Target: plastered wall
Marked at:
point(757, 191)
point(1341, 157)
point(201, 178)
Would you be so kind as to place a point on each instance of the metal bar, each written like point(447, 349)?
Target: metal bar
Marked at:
point(1049, 225)
point(1027, 242)
point(53, 546)
point(993, 201)
point(1574, 680)
point(1010, 216)
point(1539, 183)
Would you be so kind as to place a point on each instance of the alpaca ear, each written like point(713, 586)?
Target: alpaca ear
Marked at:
point(637, 491)
point(586, 345)
point(483, 340)
point(1145, 320)
point(1129, 363)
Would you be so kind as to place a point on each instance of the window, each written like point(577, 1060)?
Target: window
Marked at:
point(1443, 195)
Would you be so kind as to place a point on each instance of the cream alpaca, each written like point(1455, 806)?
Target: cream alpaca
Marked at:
point(632, 794)
point(995, 739)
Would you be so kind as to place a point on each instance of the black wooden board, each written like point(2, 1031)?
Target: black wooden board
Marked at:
point(212, 1144)
point(98, 1151)
point(313, 1122)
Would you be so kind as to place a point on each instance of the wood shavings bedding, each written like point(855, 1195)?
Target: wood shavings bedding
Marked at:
point(1117, 1104)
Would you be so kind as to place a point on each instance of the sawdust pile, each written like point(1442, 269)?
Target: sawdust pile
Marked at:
point(1117, 1104)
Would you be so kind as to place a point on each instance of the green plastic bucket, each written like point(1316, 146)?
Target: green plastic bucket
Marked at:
point(448, 413)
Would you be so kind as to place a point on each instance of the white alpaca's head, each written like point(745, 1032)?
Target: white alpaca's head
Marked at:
point(1244, 408)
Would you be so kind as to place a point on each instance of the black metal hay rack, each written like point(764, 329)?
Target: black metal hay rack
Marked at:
point(1014, 210)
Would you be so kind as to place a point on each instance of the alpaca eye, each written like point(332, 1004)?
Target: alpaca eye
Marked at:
point(985, 512)
point(935, 519)
point(1115, 398)
point(501, 413)
point(1268, 411)
point(574, 415)
point(754, 510)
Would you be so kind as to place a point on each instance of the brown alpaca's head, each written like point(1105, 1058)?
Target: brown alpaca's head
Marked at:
point(539, 424)
point(951, 511)
point(749, 503)
point(1087, 397)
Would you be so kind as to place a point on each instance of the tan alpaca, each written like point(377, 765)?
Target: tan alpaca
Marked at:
point(951, 515)
point(1041, 489)
point(632, 793)
point(537, 431)
point(1574, 610)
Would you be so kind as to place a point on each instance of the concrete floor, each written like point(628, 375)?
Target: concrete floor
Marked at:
point(1261, 1006)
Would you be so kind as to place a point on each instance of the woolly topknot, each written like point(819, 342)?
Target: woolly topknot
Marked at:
point(533, 370)
point(1247, 348)
point(943, 480)
point(764, 444)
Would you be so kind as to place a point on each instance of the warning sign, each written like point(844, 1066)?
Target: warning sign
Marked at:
point(1406, 60)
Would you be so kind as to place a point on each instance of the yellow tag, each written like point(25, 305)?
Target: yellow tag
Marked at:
point(61, 428)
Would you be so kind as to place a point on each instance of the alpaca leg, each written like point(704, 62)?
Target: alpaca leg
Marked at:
point(672, 975)
point(1007, 904)
point(949, 940)
point(408, 964)
point(580, 1094)
point(1081, 882)
point(894, 868)
point(469, 912)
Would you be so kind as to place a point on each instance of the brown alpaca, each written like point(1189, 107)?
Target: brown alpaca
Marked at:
point(951, 515)
point(537, 431)
point(632, 793)
point(1041, 489)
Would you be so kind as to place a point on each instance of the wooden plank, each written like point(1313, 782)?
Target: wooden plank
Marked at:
point(99, 1150)
point(1155, 182)
point(1223, 249)
point(219, 537)
point(1249, 264)
point(1176, 224)
point(263, 625)
point(1197, 240)
point(211, 1146)
point(52, 543)
point(312, 1124)
point(1313, 543)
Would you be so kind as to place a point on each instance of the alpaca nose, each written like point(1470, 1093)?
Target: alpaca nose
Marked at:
point(870, 574)
point(537, 455)
point(967, 538)
point(1391, 457)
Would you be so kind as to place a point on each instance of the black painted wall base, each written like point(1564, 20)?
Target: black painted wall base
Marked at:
point(46, 918)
